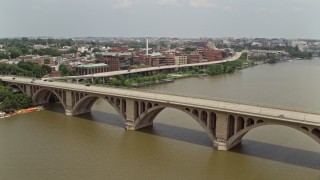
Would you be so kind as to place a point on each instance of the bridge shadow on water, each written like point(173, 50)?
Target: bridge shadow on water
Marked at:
point(279, 153)
point(267, 151)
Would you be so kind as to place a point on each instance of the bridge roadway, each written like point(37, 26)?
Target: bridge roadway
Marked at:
point(225, 122)
point(141, 70)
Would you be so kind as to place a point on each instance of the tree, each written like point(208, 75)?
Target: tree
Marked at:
point(65, 71)
point(46, 69)
point(23, 101)
point(215, 69)
point(84, 53)
point(63, 68)
point(98, 56)
point(6, 105)
point(188, 50)
point(46, 61)
point(3, 55)
point(14, 52)
point(72, 50)
point(96, 50)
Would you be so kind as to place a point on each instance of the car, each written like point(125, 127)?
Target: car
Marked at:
point(281, 116)
point(88, 84)
point(50, 80)
point(13, 78)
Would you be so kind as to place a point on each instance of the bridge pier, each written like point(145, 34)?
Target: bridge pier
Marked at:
point(133, 119)
point(69, 112)
point(225, 128)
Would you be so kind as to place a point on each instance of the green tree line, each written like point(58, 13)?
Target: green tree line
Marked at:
point(12, 101)
point(223, 68)
point(28, 69)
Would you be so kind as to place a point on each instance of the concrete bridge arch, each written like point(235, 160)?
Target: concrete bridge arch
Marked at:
point(206, 120)
point(243, 125)
point(19, 87)
point(42, 96)
point(84, 104)
point(138, 114)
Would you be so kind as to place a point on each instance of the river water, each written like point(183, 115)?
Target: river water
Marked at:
point(50, 145)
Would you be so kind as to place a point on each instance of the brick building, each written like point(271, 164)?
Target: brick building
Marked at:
point(194, 58)
point(212, 55)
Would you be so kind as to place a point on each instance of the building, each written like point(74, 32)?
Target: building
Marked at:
point(180, 60)
point(194, 58)
point(85, 69)
point(212, 55)
point(116, 60)
point(167, 59)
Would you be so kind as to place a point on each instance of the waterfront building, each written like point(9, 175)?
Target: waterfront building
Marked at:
point(194, 58)
point(212, 55)
point(85, 69)
point(180, 60)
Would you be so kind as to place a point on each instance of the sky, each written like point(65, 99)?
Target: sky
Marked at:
point(161, 18)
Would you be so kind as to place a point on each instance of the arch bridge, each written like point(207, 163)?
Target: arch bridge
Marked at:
point(225, 123)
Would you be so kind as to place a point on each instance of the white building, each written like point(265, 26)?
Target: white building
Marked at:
point(302, 45)
point(180, 60)
point(256, 44)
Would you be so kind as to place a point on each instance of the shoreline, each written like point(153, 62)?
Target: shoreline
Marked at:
point(22, 111)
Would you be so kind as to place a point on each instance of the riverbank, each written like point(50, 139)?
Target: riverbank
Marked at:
point(21, 111)
point(137, 80)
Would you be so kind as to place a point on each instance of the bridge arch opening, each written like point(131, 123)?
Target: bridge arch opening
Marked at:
point(305, 128)
point(102, 105)
point(240, 123)
point(250, 122)
point(276, 134)
point(316, 132)
point(181, 124)
point(45, 96)
point(231, 125)
point(195, 113)
point(16, 88)
point(213, 123)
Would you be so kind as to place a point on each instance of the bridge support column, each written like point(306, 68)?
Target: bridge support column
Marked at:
point(69, 107)
point(133, 110)
point(28, 90)
point(131, 115)
point(221, 132)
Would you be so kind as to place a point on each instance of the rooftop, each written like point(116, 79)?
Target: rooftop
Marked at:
point(92, 65)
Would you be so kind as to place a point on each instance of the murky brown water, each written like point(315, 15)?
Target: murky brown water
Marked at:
point(50, 145)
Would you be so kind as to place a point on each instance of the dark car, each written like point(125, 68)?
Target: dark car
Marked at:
point(88, 84)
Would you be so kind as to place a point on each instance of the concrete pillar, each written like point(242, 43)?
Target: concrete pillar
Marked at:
point(235, 124)
point(221, 131)
point(132, 122)
point(28, 91)
point(68, 104)
point(130, 119)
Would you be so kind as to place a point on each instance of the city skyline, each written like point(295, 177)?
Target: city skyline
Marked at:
point(160, 18)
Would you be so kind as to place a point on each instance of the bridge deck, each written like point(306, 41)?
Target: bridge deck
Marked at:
point(223, 106)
